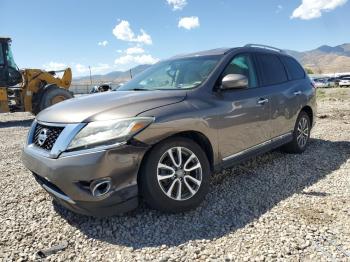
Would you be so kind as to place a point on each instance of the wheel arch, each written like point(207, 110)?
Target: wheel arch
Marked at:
point(196, 136)
point(309, 111)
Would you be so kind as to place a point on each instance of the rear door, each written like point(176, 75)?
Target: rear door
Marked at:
point(299, 86)
point(283, 102)
point(243, 117)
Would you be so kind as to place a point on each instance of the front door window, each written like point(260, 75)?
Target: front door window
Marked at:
point(243, 65)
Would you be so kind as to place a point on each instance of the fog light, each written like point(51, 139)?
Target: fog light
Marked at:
point(100, 187)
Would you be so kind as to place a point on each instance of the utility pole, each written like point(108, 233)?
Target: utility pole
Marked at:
point(90, 76)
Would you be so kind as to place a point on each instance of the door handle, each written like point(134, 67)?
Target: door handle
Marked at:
point(262, 101)
point(296, 93)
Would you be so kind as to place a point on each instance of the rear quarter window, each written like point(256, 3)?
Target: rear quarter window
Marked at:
point(294, 69)
point(272, 70)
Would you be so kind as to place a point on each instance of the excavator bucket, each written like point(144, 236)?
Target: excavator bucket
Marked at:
point(67, 78)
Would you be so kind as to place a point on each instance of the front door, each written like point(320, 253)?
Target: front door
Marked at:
point(244, 114)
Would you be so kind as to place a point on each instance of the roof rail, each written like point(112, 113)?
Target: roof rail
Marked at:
point(265, 47)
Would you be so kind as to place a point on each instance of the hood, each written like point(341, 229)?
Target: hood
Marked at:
point(108, 106)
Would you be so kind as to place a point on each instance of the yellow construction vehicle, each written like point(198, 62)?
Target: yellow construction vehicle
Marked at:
point(30, 90)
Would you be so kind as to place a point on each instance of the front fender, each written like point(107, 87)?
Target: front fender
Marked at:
point(177, 118)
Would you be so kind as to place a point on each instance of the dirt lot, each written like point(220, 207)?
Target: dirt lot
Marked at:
point(274, 207)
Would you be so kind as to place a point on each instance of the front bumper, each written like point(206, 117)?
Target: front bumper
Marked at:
point(66, 177)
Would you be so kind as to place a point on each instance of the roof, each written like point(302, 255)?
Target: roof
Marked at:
point(222, 51)
point(217, 51)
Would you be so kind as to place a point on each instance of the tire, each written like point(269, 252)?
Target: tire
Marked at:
point(300, 139)
point(154, 191)
point(52, 96)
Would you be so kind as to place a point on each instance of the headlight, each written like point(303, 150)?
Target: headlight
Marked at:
point(101, 133)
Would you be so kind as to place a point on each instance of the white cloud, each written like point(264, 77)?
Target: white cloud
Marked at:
point(279, 9)
point(81, 68)
point(189, 22)
point(134, 50)
point(78, 69)
point(177, 4)
point(143, 38)
point(52, 66)
point(99, 68)
point(103, 43)
point(136, 59)
point(310, 9)
point(122, 31)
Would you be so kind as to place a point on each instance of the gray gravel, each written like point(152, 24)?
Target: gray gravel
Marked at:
point(272, 208)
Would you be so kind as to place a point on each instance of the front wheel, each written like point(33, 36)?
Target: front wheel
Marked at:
point(52, 96)
point(175, 175)
point(301, 134)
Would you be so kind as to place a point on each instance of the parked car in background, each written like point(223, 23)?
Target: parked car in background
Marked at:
point(101, 88)
point(331, 81)
point(321, 83)
point(344, 82)
point(163, 134)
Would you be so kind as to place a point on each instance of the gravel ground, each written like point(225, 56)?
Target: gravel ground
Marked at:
point(274, 207)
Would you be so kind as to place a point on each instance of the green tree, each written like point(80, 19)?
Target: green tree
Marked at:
point(309, 71)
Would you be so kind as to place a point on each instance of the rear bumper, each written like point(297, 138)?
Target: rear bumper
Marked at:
point(67, 177)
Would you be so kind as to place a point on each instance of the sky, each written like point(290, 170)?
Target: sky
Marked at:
point(110, 35)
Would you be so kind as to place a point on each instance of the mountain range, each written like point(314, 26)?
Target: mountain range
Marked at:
point(322, 60)
point(115, 76)
point(325, 59)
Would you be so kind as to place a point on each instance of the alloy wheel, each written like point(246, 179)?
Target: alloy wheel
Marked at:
point(179, 173)
point(303, 132)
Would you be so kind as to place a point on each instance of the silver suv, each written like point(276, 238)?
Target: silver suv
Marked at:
point(160, 136)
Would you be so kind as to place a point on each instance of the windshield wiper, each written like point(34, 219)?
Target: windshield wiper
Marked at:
point(140, 89)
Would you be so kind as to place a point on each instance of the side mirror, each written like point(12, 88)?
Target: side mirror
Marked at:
point(234, 81)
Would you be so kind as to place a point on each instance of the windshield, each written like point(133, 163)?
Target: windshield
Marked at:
point(10, 59)
point(174, 74)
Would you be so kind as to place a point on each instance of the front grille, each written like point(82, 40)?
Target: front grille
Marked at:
point(46, 136)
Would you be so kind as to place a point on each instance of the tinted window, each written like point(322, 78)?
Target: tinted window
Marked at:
point(242, 64)
point(272, 69)
point(1, 56)
point(294, 69)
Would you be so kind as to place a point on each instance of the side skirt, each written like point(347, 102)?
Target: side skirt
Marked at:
point(254, 151)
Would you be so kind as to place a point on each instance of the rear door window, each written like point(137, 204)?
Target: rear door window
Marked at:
point(271, 69)
point(294, 69)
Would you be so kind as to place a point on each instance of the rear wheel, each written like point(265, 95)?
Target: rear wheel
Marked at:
point(53, 96)
point(175, 175)
point(301, 134)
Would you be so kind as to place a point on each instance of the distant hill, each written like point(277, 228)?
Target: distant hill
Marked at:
point(115, 76)
point(325, 59)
